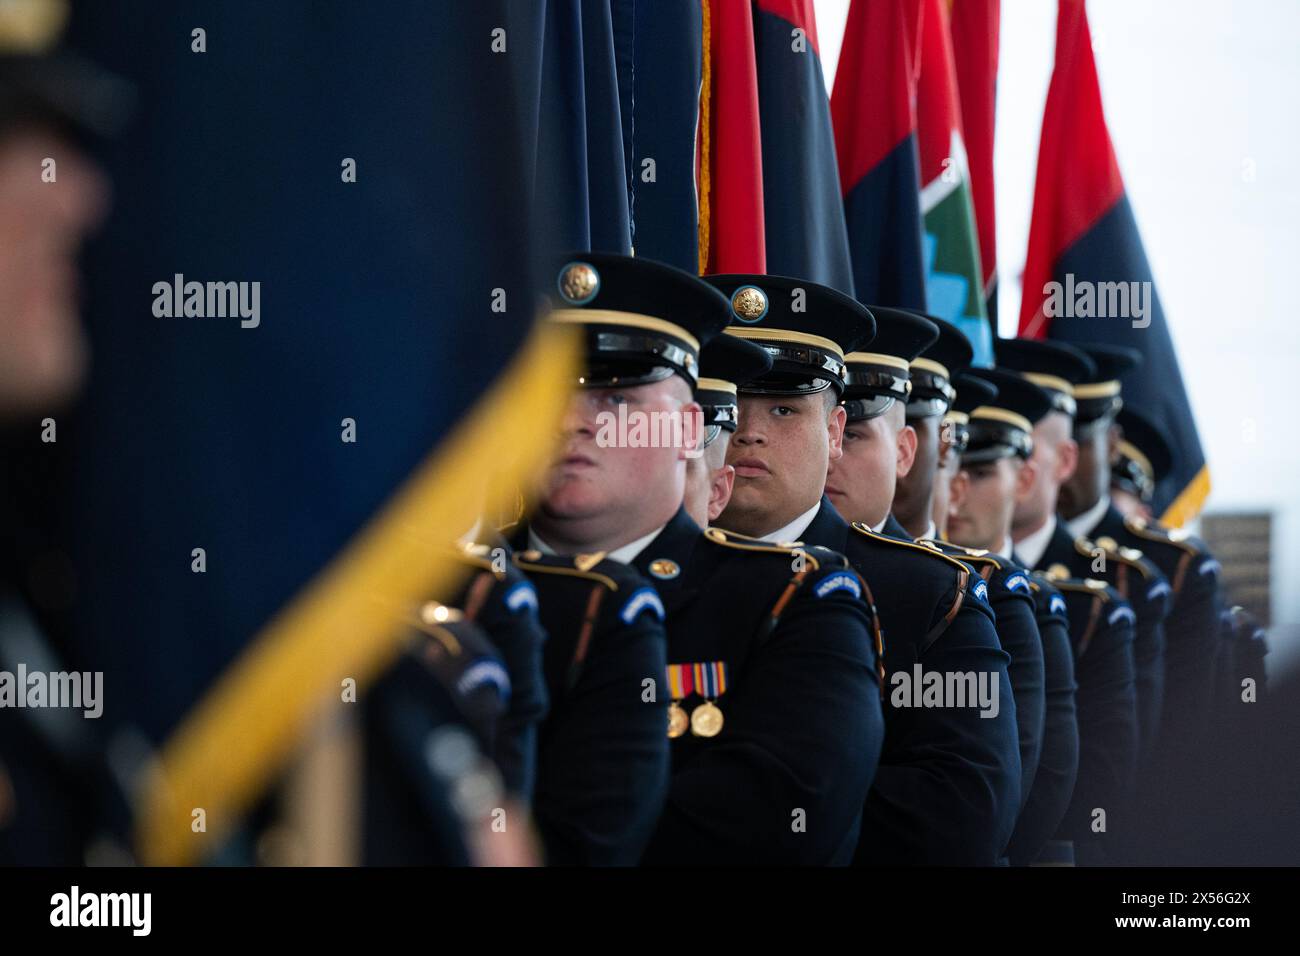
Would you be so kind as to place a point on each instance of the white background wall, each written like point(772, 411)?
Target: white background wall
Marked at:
point(1202, 98)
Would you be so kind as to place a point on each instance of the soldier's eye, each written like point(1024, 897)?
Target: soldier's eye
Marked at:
point(782, 410)
point(616, 398)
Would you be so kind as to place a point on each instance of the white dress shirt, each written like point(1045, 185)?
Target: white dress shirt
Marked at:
point(794, 529)
point(624, 555)
point(1081, 526)
point(1030, 548)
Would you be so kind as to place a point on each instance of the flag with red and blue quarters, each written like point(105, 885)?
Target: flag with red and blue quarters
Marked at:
point(1083, 228)
point(954, 281)
point(873, 106)
point(974, 25)
point(806, 233)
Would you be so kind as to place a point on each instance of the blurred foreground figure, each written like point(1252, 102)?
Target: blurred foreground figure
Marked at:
point(51, 197)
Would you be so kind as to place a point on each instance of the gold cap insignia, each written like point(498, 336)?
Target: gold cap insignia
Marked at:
point(1107, 543)
point(665, 568)
point(749, 303)
point(579, 282)
point(532, 554)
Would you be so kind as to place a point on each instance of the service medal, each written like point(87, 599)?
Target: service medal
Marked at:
point(706, 720)
point(678, 722)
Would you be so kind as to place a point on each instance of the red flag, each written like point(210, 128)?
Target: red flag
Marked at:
point(974, 25)
point(873, 107)
point(1087, 278)
point(1074, 186)
point(730, 174)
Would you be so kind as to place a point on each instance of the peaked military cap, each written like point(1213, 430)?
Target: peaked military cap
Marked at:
point(807, 328)
point(1098, 397)
point(1144, 455)
point(880, 377)
point(1053, 366)
point(971, 393)
point(1004, 426)
point(936, 368)
point(644, 320)
point(726, 363)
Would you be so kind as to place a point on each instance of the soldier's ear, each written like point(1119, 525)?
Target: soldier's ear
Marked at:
point(724, 479)
point(835, 430)
point(958, 485)
point(692, 414)
point(907, 442)
point(1067, 460)
point(1025, 478)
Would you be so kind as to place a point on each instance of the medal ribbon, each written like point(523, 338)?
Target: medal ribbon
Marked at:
point(707, 678)
point(681, 680)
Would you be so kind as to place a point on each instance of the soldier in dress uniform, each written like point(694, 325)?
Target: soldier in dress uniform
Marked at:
point(1058, 761)
point(1193, 625)
point(948, 786)
point(1142, 458)
point(724, 363)
point(771, 684)
point(1102, 642)
point(1084, 395)
point(933, 375)
point(55, 787)
point(878, 446)
point(1105, 702)
point(1029, 622)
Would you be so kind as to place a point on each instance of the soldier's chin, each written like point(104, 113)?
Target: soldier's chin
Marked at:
point(45, 375)
point(573, 501)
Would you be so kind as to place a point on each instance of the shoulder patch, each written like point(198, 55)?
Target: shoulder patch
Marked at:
point(1017, 582)
point(1159, 589)
point(840, 581)
point(1056, 605)
point(980, 591)
point(644, 598)
point(486, 671)
point(1209, 566)
point(522, 594)
point(1122, 613)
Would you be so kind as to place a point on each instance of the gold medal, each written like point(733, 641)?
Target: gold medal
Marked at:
point(706, 720)
point(677, 720)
